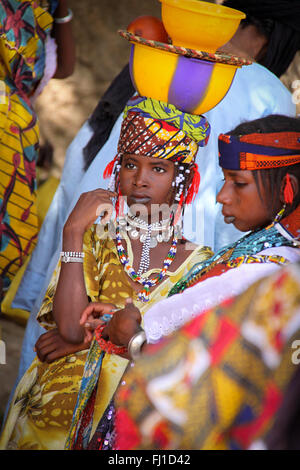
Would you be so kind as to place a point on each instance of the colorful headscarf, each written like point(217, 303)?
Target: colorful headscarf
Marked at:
point(156, 129)
point(259, 151)
point(177, 132)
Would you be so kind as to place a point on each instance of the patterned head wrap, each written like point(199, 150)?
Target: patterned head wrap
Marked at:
point(156, 129)
point(259, 151)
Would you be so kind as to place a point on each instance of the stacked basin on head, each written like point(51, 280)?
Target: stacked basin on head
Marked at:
point(188, 73)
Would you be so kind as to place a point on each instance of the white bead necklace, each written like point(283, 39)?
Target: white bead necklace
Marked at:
point(149, 235)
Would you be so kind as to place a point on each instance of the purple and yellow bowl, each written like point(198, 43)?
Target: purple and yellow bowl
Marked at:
point(193, 85)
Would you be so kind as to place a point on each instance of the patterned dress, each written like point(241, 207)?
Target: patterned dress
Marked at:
point(41, 412)
point(24, 27)
point(219, 381)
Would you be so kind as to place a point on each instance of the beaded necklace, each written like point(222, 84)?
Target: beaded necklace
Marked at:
point(139, 228)
point(146, 282)
point(250, 244)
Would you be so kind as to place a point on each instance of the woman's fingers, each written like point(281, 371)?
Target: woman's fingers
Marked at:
point(90, 327)
point(43, 351)
point(95, 310)
point(89, 206)
point(46, 338)
point(105, 211)
point(93, 324)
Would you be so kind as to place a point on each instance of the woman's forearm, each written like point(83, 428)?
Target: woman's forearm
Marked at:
point(70, 297)
point(63, 34)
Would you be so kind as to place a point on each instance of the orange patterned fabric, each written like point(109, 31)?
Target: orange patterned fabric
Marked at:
point(251, 161)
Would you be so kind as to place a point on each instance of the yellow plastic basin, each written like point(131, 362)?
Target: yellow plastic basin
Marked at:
point(192, 85)
point(199, 25)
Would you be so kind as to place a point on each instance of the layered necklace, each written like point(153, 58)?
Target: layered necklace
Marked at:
point(149, 235)
point(157, 232)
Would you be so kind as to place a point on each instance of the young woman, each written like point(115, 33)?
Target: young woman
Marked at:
point(260, 195)
point(36, 44)
point(141, 256)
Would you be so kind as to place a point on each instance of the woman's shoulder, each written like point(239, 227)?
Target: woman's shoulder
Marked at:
point(192, 249)
point(191, 254)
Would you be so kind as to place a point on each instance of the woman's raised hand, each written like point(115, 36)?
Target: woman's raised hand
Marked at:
point(89, 206)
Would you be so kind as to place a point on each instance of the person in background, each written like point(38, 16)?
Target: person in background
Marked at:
point(36, 43)
point(271, 29)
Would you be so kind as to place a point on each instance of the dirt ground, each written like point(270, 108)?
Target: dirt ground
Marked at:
point(12, 336)
point(66, 104)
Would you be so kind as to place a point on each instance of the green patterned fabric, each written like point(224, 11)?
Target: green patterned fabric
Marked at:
point(194, 126)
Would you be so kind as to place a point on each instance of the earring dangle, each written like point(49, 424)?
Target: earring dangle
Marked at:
point(279, 216)
point(288, 190)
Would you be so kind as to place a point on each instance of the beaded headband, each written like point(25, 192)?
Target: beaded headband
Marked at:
point(259, 151)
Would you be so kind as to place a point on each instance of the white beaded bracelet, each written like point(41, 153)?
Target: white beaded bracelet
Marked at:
point(64, 19)
point(135, 345)
point(72, 256)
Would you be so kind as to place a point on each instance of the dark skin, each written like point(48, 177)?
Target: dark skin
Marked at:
point(243, 205)
point(50, 346)
point(64, 38)
point(248, 42)
point(124, 323)
point(139, 176)
point(150, 179)
point(241, 200)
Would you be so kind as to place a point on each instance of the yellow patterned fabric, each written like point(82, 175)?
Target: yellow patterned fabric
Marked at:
point(43, 404)
point(218, 382)
point(196, 127)
point(156, 129)
point(24, 26)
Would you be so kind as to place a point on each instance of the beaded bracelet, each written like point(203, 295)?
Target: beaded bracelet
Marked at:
point(71, 256)
point(108, 346)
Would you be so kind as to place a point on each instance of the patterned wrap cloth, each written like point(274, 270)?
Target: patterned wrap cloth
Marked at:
point(24, 27)
point(156, 129)
point(219, 381)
